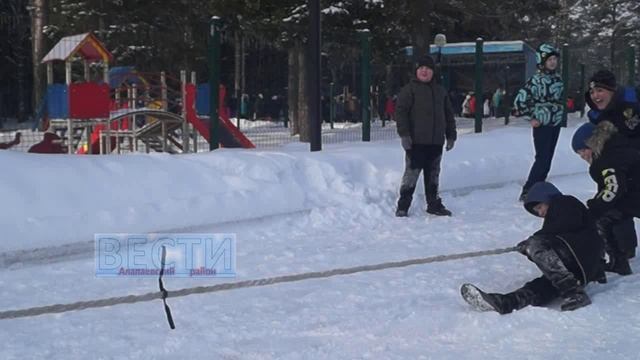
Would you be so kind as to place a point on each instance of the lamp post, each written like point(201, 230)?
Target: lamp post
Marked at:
point(440, 40)
point(478, 84)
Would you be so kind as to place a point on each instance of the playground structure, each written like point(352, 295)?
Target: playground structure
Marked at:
point(105, 109)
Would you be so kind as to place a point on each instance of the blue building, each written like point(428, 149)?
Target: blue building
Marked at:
point(505, 63)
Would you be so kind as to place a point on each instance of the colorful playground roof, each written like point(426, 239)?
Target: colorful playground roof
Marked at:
point(87, 46)
point(125, 75)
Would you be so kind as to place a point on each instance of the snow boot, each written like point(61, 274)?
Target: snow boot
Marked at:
point(501, 303)
point(438, 209)
point(618, 264)
point(601, 277)
point(630, 253)
point(404, 202)
point(481, 301)
point(577, 299)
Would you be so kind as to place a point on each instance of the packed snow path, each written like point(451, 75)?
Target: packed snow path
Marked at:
point(414, 312)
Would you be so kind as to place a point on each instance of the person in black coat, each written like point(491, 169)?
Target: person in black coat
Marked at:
point(425, 124)
point(616, 104)
point(620, 106)
point(567, 249)
point(615, 167)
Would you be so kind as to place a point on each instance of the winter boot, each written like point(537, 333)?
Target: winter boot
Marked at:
point(501, 303)
point(438, 209)
point(575, 300)
point(618, 264)
point(601, 277)
point(630, 253)
point(482, 301)
point(404, 202)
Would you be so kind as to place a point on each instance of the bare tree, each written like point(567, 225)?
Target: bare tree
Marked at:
point(420, 26)
point(38, 21)
point(303, 109)
point(293, 82)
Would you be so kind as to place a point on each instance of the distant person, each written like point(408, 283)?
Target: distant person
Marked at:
point(486, 108)
point(353, 108)
point(567, 250)
point(466, 106)
point(244, 106)
point(472, 104)
point(51, 144)
point(571, 104)
point(390, 108)
point(258, 107)
point(425, 122)
point(496, 102)
point(12, 143)
point(340, 109)
point(540, 101)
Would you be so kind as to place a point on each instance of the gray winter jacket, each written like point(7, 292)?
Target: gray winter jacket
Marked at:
point(423, 112)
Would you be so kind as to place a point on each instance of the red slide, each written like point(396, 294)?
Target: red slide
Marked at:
point(230, 136)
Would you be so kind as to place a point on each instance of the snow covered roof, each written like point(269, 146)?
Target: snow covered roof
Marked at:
point(488, 47)
point(87, 46)
point(470, 47)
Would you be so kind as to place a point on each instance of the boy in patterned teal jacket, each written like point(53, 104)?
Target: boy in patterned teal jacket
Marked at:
point(540, 100)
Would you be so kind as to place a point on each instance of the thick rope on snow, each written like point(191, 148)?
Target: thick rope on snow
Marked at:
point(81, 305)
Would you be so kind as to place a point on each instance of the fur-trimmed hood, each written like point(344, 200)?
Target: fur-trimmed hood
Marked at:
point(604, 131)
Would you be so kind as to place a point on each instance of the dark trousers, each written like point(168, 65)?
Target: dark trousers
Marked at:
point(545, 139)
point(560, 276)
point(624, 233)
point(421, 158)
point(619, 234)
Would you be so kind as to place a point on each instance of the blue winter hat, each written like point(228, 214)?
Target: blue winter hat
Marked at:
point(580, 137)
point(540, 192)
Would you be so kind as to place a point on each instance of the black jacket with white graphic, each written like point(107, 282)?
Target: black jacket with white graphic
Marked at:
point(616, 170)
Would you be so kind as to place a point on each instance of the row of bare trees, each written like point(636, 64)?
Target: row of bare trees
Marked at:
point(172, 35)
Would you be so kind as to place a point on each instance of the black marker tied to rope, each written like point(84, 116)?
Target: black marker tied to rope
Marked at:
point(164, 291)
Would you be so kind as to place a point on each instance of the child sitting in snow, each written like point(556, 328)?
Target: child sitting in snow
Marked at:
point(567, 249)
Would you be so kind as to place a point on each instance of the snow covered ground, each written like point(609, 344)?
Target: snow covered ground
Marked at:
point(295, 211)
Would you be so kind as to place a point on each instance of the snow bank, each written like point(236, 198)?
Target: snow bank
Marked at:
point(58, 199)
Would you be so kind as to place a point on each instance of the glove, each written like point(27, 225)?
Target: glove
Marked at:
point(406, 142)
point(450, 143)
point(522, 247)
